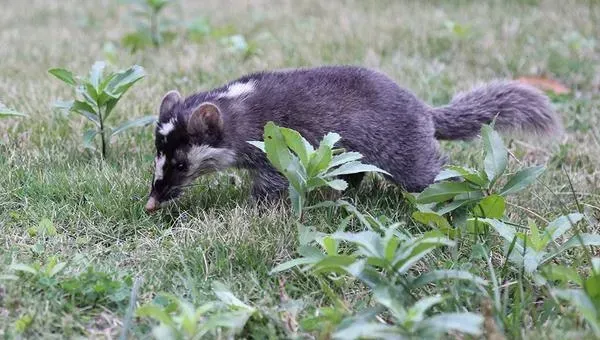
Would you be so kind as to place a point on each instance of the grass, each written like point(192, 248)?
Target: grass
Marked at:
point(431, 47)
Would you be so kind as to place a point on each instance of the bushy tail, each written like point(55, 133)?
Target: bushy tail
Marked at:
point(511, 104)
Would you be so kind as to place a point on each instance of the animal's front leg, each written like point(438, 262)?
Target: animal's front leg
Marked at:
point(269, 186)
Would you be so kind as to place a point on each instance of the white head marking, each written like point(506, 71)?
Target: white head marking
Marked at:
point(239, 90)
point(166, 128)
point(159, 165)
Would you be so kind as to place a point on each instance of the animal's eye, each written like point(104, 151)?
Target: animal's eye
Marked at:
point(180, 166)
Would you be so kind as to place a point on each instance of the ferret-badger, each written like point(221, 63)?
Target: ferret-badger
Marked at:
point(388, 125)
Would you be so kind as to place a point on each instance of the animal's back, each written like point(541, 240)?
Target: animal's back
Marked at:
point(388, 125)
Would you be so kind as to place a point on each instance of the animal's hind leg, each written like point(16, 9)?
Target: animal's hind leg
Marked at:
point(353, 180)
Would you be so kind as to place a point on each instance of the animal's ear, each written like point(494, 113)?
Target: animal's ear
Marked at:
point(206, 118)
point(170, 100)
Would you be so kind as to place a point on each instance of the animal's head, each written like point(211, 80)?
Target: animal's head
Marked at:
point(189, 143)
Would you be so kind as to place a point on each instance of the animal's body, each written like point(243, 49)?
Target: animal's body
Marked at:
point(390, 126)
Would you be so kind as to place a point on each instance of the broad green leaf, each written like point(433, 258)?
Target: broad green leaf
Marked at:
point(258, 144)
point(369, 242)
point(330, 245)
point(389, 296)
point(365, 273)
point(368, 330)
point(445, 208)
point(490, 207)
point(521, 180)
point(413, 251)
point(88, 139)
point(562, 224)
point(496, 155)
point(23, 268)
point(592, 288)
point(562, 274)
point(298, 145)
point(156, 313)
point(297, 199)
point(123, 80)
point(225, 295)
point(507, 232)
point(391, 243)
point(315, 182)
point(295, 263)
point(138, 122)
point(277, 152)
point(330, 139)
point(96, 75)
point(429, 218)
point(57, 268)
point(353, 168)
point(447, 274)
point(64, 75)
point(109, 106)
point(338, 184)
point(532, 259)
point(469, 175)
point(468, 323)
point(320, 160)
point(416, 313)
point(443, 191)
point(537, 240)
point(343, 158)
point(584, 239)
point(88, 93)
point(86, 110)
point(333, 264)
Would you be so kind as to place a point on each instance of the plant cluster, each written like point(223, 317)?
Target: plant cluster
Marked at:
point(464, 207)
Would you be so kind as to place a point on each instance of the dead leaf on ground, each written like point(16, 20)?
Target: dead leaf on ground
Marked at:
point(545, 84)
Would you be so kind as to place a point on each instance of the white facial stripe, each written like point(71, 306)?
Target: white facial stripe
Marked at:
point(239, 90)
point(167, 127)
point(203, 159)
point(160, 164)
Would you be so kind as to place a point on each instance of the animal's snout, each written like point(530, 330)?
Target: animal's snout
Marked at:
point(152, 205)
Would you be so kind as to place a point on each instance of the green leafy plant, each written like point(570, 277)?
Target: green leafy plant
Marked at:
point(92, 287)
point(477, 192)
point(96, 97)
point(533, 249)
point(179, 319)
point(89, 287)
point(382, 261)
point(151, 30)
point(587, 299)
point(44, 275)
point(411, 322)
point(308, 169)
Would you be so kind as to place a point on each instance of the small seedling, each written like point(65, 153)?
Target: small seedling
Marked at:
point(179, 319)
point(150, 29)
point(96, 98)
point(306, 168)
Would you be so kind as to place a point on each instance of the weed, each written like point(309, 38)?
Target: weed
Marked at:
point(97, 96)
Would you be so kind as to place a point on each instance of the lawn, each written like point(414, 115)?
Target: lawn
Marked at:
point(61, 203)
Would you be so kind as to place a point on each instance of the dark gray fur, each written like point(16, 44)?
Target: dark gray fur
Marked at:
point(390, 126)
